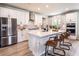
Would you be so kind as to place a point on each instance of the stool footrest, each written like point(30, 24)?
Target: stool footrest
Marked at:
point(67, 47)
point(67, 43)
point(60, 50)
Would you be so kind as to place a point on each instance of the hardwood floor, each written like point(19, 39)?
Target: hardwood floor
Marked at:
point(20, 49)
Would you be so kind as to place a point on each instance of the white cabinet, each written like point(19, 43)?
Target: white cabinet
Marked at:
point(21, 16)
point(4, 12)
point(38, 20)
point(71, 17)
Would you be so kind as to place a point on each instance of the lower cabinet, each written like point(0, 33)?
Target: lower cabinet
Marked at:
point(13, 39)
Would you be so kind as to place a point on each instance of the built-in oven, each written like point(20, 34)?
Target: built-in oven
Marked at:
point(70, 27)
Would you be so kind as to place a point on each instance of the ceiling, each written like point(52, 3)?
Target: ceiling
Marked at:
point(47, 8)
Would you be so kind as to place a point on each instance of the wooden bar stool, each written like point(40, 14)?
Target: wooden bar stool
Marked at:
point(53, 43)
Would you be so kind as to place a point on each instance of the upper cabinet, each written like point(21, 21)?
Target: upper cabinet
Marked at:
point(38, 19)
point(4, 12)
point(71, 17)
point(21, 15)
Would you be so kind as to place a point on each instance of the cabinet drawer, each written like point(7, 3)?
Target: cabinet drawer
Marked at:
point(14, 39)
point(4, 41)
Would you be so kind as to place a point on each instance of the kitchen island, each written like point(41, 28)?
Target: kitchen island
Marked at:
point(38, 38)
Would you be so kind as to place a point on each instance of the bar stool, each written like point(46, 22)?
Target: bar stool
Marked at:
point(61, 39)
point(66, 35)
point(53, 43)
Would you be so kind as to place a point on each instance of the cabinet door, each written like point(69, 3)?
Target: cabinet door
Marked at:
point(14, 30)
point(38, 20)
point(4, 12)
point(71, 17)
point(14, 26)
point(14, 39)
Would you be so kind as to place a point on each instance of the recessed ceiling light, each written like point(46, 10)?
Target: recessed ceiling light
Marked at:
point(38, 8)
point(47, 6)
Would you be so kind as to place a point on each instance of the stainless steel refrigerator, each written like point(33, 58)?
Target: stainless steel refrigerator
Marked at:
point(8, 31)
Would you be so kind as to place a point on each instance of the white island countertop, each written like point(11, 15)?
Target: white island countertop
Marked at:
point(41, 33)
